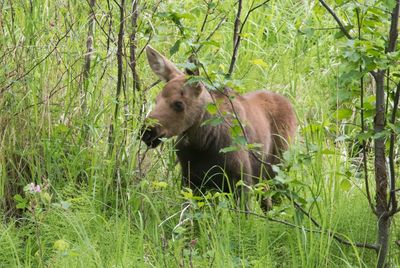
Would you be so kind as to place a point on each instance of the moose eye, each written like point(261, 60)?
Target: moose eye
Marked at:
point(178, 106)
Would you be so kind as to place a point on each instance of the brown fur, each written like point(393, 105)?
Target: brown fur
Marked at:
point(268, 117)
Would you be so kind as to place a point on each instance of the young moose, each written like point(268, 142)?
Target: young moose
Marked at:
point(180, 110)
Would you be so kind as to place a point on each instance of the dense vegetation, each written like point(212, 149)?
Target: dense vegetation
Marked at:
point(79, 189)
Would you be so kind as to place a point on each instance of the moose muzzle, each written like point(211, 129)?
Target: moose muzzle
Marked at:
point(151, 135)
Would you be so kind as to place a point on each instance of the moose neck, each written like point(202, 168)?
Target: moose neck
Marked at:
point(205, 137)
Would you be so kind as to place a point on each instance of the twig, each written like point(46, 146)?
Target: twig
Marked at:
point(237, 32)
point(151, 33)
point(275, 220)
point(250, 11)
point(341, 25)
point(152, 85)
point(212, 33)
point(331, 233)
point(110, 23)
point(52, 93)
point(39, 62)
point(109, 37)
point(203, 25)
point(236, 38)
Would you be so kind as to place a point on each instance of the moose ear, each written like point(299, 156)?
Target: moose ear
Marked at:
point(196, 89)
point(193, 66)
point(193, 72)
point(161, 66)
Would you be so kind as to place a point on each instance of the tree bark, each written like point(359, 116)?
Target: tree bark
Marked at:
point(381, 178)
point(111, 134)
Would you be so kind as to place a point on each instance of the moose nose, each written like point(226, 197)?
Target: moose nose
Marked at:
point(151, 136)
point(147, 133)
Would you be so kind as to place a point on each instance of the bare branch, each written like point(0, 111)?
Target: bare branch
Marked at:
point(320, 230)
point(333, 234)
point(110, 38)
point(212, 33)
point(250, 11)
point(2, 90)
point(236, 38)
point(338, 21)
point(237, 32)
point(203, 25)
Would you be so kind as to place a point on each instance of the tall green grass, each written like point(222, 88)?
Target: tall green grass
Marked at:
point(102, 210)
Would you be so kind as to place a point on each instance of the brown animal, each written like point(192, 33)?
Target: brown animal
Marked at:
point(268, 118)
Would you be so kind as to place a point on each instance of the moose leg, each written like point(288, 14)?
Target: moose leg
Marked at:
point(266, 202)
point(240, 169)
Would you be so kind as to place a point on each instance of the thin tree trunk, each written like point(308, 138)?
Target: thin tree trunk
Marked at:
point(86, 68)
point(381, 179)
point(111, 134)
point(133, 44)
point(133, 47)
point(89, 48)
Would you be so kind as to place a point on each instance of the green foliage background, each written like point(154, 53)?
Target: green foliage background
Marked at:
point(100, 209)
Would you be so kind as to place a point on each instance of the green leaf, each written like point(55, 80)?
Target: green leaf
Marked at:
point(240, 140)
point(19, 198)
point(210, 43)
point(364, 136)
point(61, 245)
point(394, 127)
point(309, 32)
point(253, 146)
point(229, 149)
point(390, 4)
point(259, 62)
point(160, 184)
point(21, 205)
point(212, 108)
point(195, 79)
point(175, 47)
point(381, 134)
point(65, 204)
point(344, 113)
point(328, 152)
point(345, 185)
point(213, 121)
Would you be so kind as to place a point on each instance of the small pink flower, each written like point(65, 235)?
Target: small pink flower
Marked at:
point(193, 242)
point(32, 188)
point(38, 189)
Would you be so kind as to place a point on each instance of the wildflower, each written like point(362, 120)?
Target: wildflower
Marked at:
point(32, 188)
point(193, 242)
